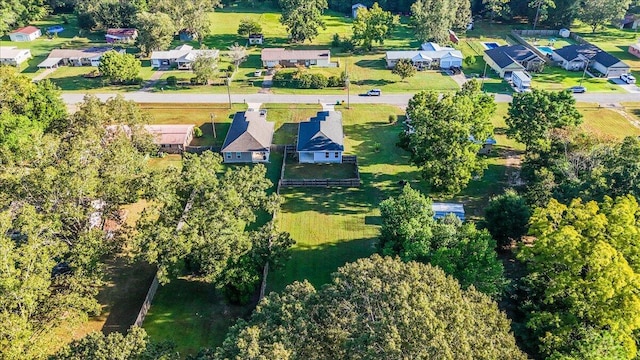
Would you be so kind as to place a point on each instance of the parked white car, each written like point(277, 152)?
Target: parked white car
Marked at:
point(628, 78)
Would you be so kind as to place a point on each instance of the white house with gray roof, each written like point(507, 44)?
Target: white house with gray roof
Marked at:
point(11, 55)
point(183, 57)
point(249, 138)
point(321, 139)
point(273, 57)
point(576, 57)
point(431, 55)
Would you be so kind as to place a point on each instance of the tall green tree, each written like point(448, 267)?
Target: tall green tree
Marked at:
point(104, 14)
point(449, 132)
point(155, 31)
point(374, 308)
point(597, 13)
point(249, 26)
point(214, 235)
point(119, 68)
point(205, 68)
point(15, 13)
point(135, 345)
point(534, 115)
point(32, 301)
point(190, 16)
point(373, 25)
point(496, 8)
point(583, 275)
point(404, 68)
point(27, 112)
point(507, 217)
point(468, 254)
point(302, 18)
point(432, 19)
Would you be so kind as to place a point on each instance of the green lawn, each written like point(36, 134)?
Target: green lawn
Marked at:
point(608, 124)
point(197, 114)
point(294, 170)
point(192, 315)
point(556, 78)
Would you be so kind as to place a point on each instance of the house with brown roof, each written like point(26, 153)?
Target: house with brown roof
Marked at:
point(75, 57)
point(249, 138)
point(27, 33)
point(122, 35)
point(172, 139)
point(291, 58)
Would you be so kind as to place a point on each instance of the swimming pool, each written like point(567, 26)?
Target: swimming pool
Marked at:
point(548, 50)
point(491, 45)
point(55, 29)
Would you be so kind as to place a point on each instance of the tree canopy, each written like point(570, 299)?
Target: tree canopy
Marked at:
point(302, 18)
point(507, 217)
point(432, 19)
point(583, 277)
point(155, 31)
point(404, 68)
point(135, 345)
point(409, 230)
point(373, 25)
point(249, 26)
point(449, 132)
point(214, 241)
point(533, 115)
point(119, 68)
point(374, 308)
point(597, 13)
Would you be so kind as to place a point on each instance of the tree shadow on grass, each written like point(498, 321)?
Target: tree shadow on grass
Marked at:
point(192, 314)
point(371, 64)
point(316, 263)
point(124, 292)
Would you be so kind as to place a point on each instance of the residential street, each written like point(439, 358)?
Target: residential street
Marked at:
point(392, 99)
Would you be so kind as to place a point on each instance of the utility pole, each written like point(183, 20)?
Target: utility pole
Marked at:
point(585, 71)
point(347, 83)
point(535, 21)
point(212, 116)
point(228, 81)
point(484, 75)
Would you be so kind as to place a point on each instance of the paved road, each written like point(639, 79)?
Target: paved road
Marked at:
point(392, 99)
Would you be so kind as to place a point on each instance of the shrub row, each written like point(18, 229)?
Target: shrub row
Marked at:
point(303, 80)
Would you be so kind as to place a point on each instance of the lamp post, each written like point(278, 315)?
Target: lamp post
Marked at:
point(228, 82)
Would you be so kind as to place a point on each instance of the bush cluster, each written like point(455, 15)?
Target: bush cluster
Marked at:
point(304, 80)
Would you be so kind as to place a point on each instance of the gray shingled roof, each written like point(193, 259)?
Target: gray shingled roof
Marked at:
point(322, 132)
point(249, 131)
point(504, 56)
point(591, 52)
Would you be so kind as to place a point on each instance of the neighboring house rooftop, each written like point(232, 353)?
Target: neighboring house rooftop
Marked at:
point(170, 134)
point(26, 30)
point(12, 52)
point(506, 55)
point(431, 46)
point(185, 52)
point(255, 36)
point(249, 131)
point(88, 53)
point(121, 33)
point(441, 210)
point(358, 5)
point(322, 132)
point(589, 51)
point(417, 55)
point(278, 54)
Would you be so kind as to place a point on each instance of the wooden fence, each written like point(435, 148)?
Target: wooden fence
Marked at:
point(320, 182)
point(348, 159)
point(147, 302)
point(151, 293)
point(517, 34)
